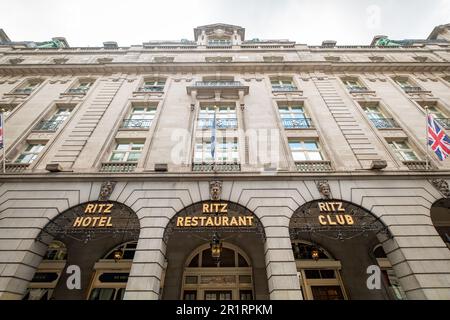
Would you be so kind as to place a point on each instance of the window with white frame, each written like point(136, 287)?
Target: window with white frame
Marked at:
point(353, 84)
point(58, 117)
point(225, 116)
point(403, 150)
point(30, 153)
point(28, 87)
point(225, 151)
point(378, 117)
point(140, 117)
point(283, 85)
point(153, 85)
point(305, 150)
point(127, 151)
point(404, 83)
point(294, 116)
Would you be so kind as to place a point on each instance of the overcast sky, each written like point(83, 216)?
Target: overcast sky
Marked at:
point(91, 22)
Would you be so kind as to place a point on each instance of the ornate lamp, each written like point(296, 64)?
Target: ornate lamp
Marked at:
point(118, 255)
point(216, 246)
point(315, 254)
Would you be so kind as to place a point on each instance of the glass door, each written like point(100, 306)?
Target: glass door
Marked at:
point(218, 295)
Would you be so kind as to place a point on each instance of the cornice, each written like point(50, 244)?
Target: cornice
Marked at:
point(207, 67)
point(239, 176)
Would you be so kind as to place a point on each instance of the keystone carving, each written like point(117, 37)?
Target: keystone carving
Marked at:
point(324, 189)
point(442, 186)
point(106, 190)
point(215, 189)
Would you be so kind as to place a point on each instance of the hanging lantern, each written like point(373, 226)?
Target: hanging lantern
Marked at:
point(315, 254)
point(118, 255)
point(216, 246)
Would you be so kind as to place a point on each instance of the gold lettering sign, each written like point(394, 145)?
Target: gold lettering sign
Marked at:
point(215, 215)
point(96, 215)
point(333, 214)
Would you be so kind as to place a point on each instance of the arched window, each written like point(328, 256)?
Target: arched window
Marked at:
point(391, 281)
point(229, 278)
point(304, 251)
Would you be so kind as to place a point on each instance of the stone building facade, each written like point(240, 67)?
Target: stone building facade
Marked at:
point(322, 148)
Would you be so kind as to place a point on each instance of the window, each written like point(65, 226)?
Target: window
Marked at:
point(283, 85)
point(327, 293)
point(403, 150)
point(377, 117)
point(403, 82)
point(225, 116)
point(52, 124)
point(28, 87)
point(224, 151)
point(294, 117)
point(305, 150)
point(30, 153)
point(153, 85)
point(353, 84)
point(140, 117)
point(127, 152)
point(437, 112)
point(219, 42)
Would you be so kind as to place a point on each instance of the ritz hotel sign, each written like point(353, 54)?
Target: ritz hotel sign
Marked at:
point(96, 215)
point(215, 215)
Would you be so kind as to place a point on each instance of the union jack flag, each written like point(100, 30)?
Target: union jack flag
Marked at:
point(437, 139)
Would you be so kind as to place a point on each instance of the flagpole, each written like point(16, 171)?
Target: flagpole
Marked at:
point(426, 138)
point(3, 139)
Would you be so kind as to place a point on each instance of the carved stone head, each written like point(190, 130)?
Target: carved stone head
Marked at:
point(106, 190)
point(324, 189)
point(215, 189)
point(442, 186)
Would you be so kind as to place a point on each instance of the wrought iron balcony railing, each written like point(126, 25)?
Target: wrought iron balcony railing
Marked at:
point(151, 89)
point(223, 123)
point(218, 83)
point(359, 89)
point(297, 123)
point(385, 123)
point(48, 125)
point(314, 166)
point(23, 91)
point(284, 88)
point(411, 89)
point(136, 124)
point(418, 165)
point(216, 166)
point(118, 166)
point(80, 90)
point(444, 122)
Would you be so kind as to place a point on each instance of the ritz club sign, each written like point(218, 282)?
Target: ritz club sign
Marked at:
point(333, 213)
point(96, 215)
point(215, 214)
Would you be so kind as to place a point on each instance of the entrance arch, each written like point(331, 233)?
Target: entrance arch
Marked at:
point(440, 216)
point(192, 231)
point(349, 233)
point(88, 231)
point(205, 279)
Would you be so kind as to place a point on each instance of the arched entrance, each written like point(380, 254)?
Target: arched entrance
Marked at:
point(205, 278)
point(81, 237)
point(333, 243)
point(215, 250)
point(440, 216)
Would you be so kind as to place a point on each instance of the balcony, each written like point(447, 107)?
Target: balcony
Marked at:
point(359, 90)
point(136, 124)
point(118, 167)
point(411, 89)
point(224, 123)
point(26, 91)
point(80, 91)
point(48, 125)
point(417, 165)
point(297, 123)
point(314, 166)
point(213, 167)
point(384, 123)
point(16, 167)
point(444, 122)
point(151, 89)
point(217, 85)
point(284, 88)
